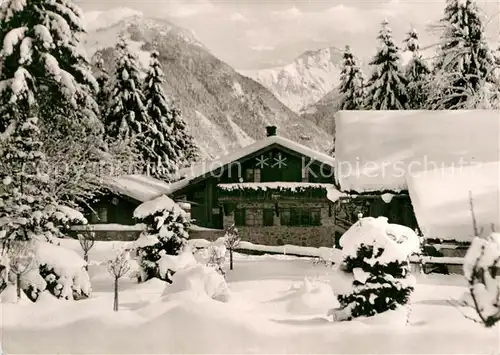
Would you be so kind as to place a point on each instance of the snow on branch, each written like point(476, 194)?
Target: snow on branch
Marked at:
point(480, 269)
point(118, 267)
point(481, 265)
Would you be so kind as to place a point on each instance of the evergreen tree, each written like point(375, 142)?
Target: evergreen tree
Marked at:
point(25, 203)
point(181, 137)
point(168, 152)
point(127, 114)
point(102, 77)
point(465, 62)
point(386, 89)
point(351, 83)
point(43, 57)
point(417, 73)
point(41, 39)
point(376, 254)
point(165, 235)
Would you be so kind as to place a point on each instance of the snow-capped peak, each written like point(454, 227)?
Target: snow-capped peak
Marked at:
point(304, 81)
point(95, 20)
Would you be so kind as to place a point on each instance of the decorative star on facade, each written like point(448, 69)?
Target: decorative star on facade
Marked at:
point(280, 161)
point(262, 162)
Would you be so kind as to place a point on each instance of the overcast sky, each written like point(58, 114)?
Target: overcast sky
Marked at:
point(250, 34)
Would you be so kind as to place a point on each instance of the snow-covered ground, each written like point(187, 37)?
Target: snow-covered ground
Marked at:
point(271, 309)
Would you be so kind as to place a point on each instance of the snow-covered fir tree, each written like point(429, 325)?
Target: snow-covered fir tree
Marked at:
point(127, 113)
point(165, 235)
point(386, 88)
point(169, 154)
point(182, 138)
point(417, 73)
point(351, 83)
point(465, 63)
point(42, 52)
point(41, 40)
point(376, 254)
point(25, 200)
point(102, 77)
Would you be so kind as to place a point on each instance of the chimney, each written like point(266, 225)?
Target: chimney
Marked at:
point(271, 131)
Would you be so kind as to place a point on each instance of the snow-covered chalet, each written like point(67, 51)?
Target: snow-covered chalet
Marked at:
point(417, 168)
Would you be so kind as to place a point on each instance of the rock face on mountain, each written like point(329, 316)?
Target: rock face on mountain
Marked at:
point(305, 81)
point(322, 113)
point(223, 109)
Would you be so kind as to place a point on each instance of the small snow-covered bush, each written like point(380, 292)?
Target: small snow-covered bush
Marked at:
point(217, 256)
point(166, 233)
point(199, 280)
point(63, 271)
point(189, 275)
point(481, 267)
point(55, 269)
point(376, 253)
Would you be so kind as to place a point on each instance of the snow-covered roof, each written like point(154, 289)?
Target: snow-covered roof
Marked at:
point(160, 203)
point(375, 150)
point(138, 187)
point(441, 200)
point(210, 166)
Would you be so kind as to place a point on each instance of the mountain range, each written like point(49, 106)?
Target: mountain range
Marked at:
point(305, 81)
point(224, 109)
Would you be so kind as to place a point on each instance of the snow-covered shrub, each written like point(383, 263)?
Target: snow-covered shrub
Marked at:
point(199, 280)
point(63, 271)
point(54, 268)
point(231, 241)
point(165, 233)
point(217, 256)
point(481, 266)
point(377, 252)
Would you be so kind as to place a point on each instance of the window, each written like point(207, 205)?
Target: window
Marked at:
point(239, 217)
point(285, 217)
point(300, 217)
point(100, 216)
point(250, 219)
point(256, 176)
point(249, 176)
point(268, 217)
point(252, 175)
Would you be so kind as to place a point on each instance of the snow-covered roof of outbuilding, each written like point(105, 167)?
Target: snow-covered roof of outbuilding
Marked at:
point(441, 199)
point(141, 188)
point(376, 150)
point(201, 169)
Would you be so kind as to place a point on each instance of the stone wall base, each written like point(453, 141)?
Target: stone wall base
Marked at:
point(116, 235)
point(322, 236)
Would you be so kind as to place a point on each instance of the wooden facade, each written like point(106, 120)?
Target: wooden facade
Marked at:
point(111, 208)
point(210, 203)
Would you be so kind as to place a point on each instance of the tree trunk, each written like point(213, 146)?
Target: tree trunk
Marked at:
point(115, 303)
point(18, 286)
point(230, 259)
point(86, 259)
